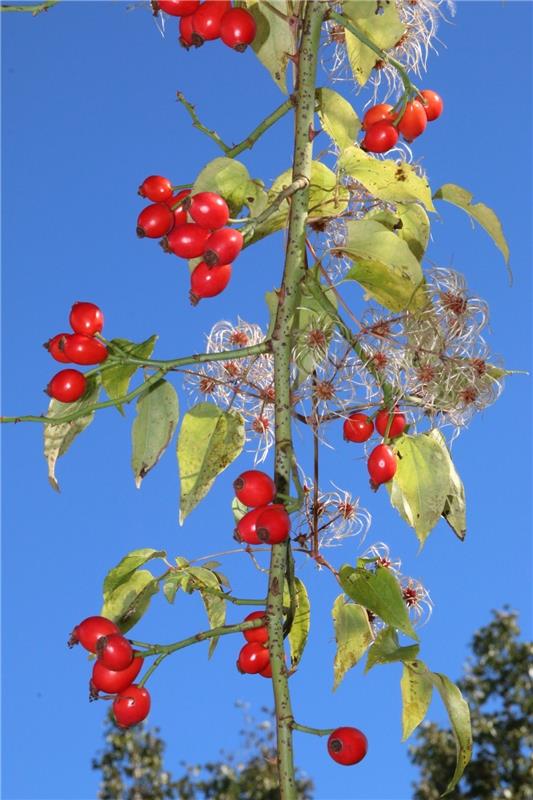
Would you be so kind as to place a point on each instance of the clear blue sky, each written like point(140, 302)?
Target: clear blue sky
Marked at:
point(88, 112)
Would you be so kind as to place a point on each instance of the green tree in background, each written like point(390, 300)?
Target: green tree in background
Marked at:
point(132, 767)
point(498, 688)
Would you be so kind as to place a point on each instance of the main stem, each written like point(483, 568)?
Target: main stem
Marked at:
point(281, 348)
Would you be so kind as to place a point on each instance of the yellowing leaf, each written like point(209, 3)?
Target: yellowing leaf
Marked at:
point(410, 222)
point(302, 619)
point(153, 427)
point(384, 29)
point(228, 178)
point(116, 380)
point(126, 566)
point(454, 511)
point(417, 689)
point(273, 41)
point(353, 635)
point(459, 715)
point(386, 650)
point(337, 117)
point(127, 603)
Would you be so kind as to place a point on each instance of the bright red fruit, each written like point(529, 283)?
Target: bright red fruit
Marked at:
point(256, 634)
point(90, 630)
point(223, 246)
point(209, 210)
point(253, 658)
point(434, 104)
point(273, 524)
point(55, 347)
point(80, 349)
point(155, 221)
point(382, 464)
point(414, 121)
point(358, 428)
point(246, 530)
point(380, 138)
point(186, 240)
point(207, 19)
point(178, 8)
point(131, 706)
point(86, 318)
point(267, 671)
point(156, 188)
point(208, 281)
point(254, 488)
point(237, 29)
point(67, 386)
point(114, 652)
point(174, 203)
point(347, 746)
point(112, 681)
point(378, 113)
point(397, 425)
point(186, 37)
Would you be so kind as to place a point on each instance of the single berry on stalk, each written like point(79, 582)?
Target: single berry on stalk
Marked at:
point(382, 464)
point(186, 240)
point(207, 20)
point(114, 651)
point(208, 281)
point(156, 188)
point(86, 318)
point(223, 247)
point(256, 634)
point(380, 138)
point(254, 488)
point(80, 349)
point(273, 524)
point(67, 386)
point(382, 112)
point(434, 104)
point(358, 428)
point(55, 347)
point(112, 681)
point(131, 706)
point(246, 530)
point(347, 746)
point(186, 31)
point(88, 632)
point(414, 121)
point(208, 209)
point(155, 221)
point(253, 658)
point(397, 425)
point(237, 29)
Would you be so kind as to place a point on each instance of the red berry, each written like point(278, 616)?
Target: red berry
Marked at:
point(180, 215)
point(55, 347)
point(208, 281)
point(80, 349)
point(256, 634)
point(207, 19)
point(253, 658)
point(414, 121)
point(67, 386)
point(380, 138)
point(186, 37)
point(273, 524)
point(397, 425)
point(347, 746)
point(209, 210)
point(382, 464)
point(131, 706)
point(382, 112)
point(434, 104)
point(114, 652)
point(178, 8)
point(254, 488)
point(112, 681)
point(86, 318)
point(155, 221)
point(156, 188)
point(267, 671)
point(186, 240)
point(90, 630)
point(358, 428)
point(246, 530)
point(237, 29)
point(223, 246)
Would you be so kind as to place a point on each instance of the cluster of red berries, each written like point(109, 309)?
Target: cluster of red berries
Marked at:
point(254, 657)
point(382, 462)
point(214, 19)
point(80, 347)
point(267, 522)
point(116, 667)
point(382, 130)
point(191, 226)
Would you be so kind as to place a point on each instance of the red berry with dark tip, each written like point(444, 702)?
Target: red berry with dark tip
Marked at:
point(207, 20)
point(246, 530)
point(253, 658)
point(55, 347)
point(178, 8)
point(273, 524)
point(67, 386)
point(112, 681)
point(382, 464)
point(414, 121)
point(80, 349)
point(175, 205)
point(347, 746)
point(209, 210)
point(397, 426)
point(156, 188)
point(86, 318)
point(208, 281)
point(382, 112)
point(114, 651)
point(256, 634)
point(237, 29)
point(223, 246)
point(358, 428)
point(433, 105)
point(88, 632)
point(131, 706)
point(186, 240)
point(254, 488)
point(155, 221)
point(186, 31)
point(380, 138)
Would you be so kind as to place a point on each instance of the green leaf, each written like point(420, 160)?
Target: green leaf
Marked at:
point(386, 650)
point(486, 217)
point(126, 566)
point(215, 606)
point(383, 29)
point(353, 635)
point(337, 117)
point(384, 265)
point(454, 511)
point(255, 197)
point(126, 604)
point(209, 441)
point(58, 438)
point(153, 427)
point(238, 509)
point(410, 222)
point(419, 489)
point(228, 178)
point(380, 592)
point(116, 380)
point(417, 689)
point(302, 620)
point(273, 42)
point(172, 584)
point(386, 179)
point(459, 715)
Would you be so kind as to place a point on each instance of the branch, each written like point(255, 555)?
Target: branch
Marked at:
point(33, 10)
point(297, 185)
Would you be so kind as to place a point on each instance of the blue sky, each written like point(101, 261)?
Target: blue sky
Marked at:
point(88, 111)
